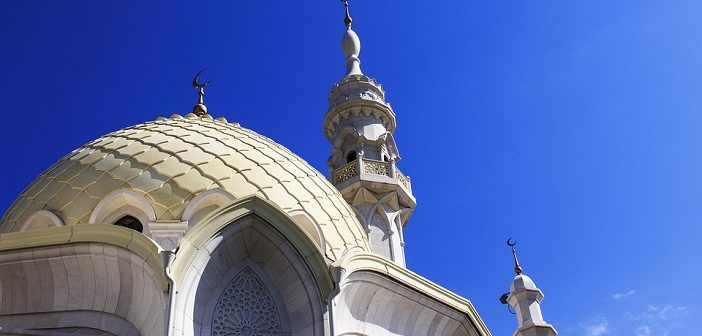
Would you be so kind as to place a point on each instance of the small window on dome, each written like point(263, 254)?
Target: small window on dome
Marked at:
point(131, 223)
point(351, 156)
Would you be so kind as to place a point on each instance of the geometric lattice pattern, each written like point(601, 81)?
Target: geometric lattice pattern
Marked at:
point(246, 308)
point(170, 160)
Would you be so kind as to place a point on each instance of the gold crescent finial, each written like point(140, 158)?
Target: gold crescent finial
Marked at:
point(200, 109)
point(511, 243)
point(347, 19)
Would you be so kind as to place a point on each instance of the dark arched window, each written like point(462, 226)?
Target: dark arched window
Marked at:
point(351, 156)
point(130, 222)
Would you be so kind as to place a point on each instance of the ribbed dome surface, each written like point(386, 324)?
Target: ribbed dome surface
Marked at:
point(170, 161)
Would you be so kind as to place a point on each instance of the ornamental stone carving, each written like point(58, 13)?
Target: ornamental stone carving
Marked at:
point(376, 167)
point(404, 180)
point(370, 95)
point(246, 308)
point(346, 172)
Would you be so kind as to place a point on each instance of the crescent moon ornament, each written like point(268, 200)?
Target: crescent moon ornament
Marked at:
point(200, 109)
point(510, 242)
point(199, 85)
point(517, 268)
point(347, 19)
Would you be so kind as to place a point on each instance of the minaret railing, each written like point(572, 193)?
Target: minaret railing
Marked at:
point(404, 180)
point(376, 167)
point(345, 172)
point(371, 167)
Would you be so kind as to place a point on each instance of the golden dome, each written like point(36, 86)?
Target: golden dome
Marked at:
point(170, 161)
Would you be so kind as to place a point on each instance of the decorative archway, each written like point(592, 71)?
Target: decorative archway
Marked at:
point(250, 234)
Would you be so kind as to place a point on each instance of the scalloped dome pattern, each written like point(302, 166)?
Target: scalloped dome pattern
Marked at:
point(170, 161)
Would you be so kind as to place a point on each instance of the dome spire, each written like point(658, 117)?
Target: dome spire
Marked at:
point(200, 109)
point(351, 46)
point(517, 267)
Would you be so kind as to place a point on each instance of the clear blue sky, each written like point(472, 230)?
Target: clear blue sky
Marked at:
point(574, 126)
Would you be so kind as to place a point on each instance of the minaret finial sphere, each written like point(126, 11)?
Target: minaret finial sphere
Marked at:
point(351, 46)
point(200, 109)
point(517, 267)
point(347, 19)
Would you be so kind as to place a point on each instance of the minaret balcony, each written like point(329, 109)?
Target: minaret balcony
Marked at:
point(380, 176)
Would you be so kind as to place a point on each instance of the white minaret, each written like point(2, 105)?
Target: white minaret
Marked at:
point(526, 298)
point(359, 124)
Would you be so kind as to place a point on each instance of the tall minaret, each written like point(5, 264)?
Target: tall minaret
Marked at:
point(526, 298)
point(359, 124)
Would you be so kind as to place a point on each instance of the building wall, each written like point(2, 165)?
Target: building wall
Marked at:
point(81, 286)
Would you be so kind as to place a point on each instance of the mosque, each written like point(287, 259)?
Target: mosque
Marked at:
point(193, 225)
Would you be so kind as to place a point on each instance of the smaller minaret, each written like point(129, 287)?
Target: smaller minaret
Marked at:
point(526, 298)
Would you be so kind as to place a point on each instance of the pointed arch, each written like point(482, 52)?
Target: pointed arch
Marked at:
point(379, 231)
point(392, 147)
point(120, 203)
point(380, 211)
point(311, 227)
point(204, 203)
point(342, 134)
point(42, 219)
point(250, 229)
point(269, 212)
point(361, 218)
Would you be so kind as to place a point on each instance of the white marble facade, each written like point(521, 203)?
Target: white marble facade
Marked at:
point(250, 270)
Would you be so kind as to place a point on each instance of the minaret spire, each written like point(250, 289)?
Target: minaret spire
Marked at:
point(517, 268)
point(526, 298)
point(200, 109)
point(347, 19)
point(359, 124)
point(351, 46)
